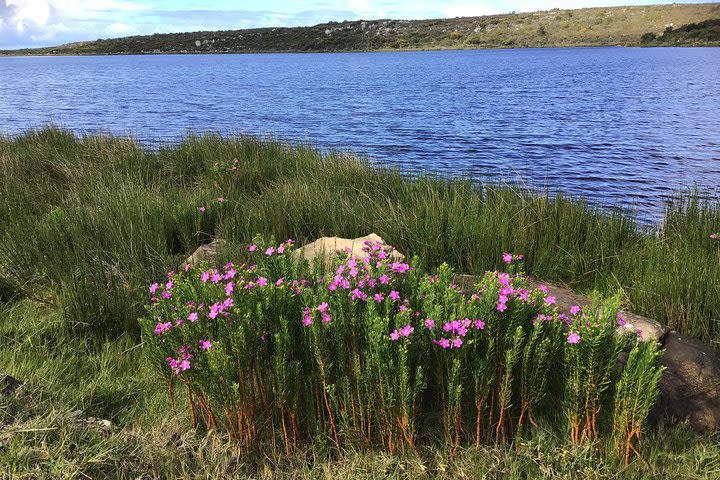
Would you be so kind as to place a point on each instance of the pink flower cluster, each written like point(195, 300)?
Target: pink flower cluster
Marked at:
point(509, 258)
point(507, 291)
point(403, 332)
point(715, 236)
point(362, 278)
point(182, 363)
point(457, 330)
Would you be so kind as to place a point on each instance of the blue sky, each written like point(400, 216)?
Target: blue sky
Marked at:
point(28, 23)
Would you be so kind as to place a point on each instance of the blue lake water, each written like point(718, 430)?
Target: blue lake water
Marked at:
point(622, 126)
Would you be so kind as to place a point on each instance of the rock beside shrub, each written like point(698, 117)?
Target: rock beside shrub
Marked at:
point(690, 386)
point(326, 247)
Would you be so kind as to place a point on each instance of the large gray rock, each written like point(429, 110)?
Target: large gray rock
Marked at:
point(326, 247)
point(690, 386)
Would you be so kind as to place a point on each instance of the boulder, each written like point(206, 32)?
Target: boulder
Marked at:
point(207, 253)
point(326, 247)
point(690, 386)
point(9, 384)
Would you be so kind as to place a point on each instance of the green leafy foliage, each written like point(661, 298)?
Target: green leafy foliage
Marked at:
point(372, 352)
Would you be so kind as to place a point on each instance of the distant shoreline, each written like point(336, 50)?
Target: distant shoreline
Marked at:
point(636, 26)
point(295, 52)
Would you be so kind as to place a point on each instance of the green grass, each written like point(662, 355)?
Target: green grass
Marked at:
point(41, 439)
point(624, 25)
point(89, 222)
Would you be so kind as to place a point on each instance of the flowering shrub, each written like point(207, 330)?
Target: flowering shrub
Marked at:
point(373, 352)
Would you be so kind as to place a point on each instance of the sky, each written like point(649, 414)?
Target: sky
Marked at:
point(35, 23)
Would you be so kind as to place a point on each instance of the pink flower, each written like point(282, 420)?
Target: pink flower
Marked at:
point(323, 307)
point(507, 258)
point(549, 300)
point(358, 294)
point(620, 319)
point(220, 199)
point(444, 343)
point(307, 319)
point(406, 330)
point(574, 310)
point(230, 274)
point(186, 267)
point(394, 335)
point(403, 308)
point(193, 317)
point(479, 324)
point(252, 248)
point(202, 209)
point(395, 295)
point(378, 297)
point(280, 281)
point(501, 307)
point(573, 338)
point(205, 277)
point(205, 344)
point(153, 288)
point(262, 281)
point(326, 318)
point(715, 236)
point(229, 288)
point(457, 343)
point(429, 323)
point(215, 278)
point(166, 295)
point(384, 279)
point(281, 249)
point(543, 288)
point(162, 328)
point(270, 251)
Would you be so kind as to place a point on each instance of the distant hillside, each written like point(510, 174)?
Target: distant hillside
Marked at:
point(642, 25)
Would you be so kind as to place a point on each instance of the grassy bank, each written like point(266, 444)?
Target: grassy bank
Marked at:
point(89, 222)
point(42, 434)
point(627, 26)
